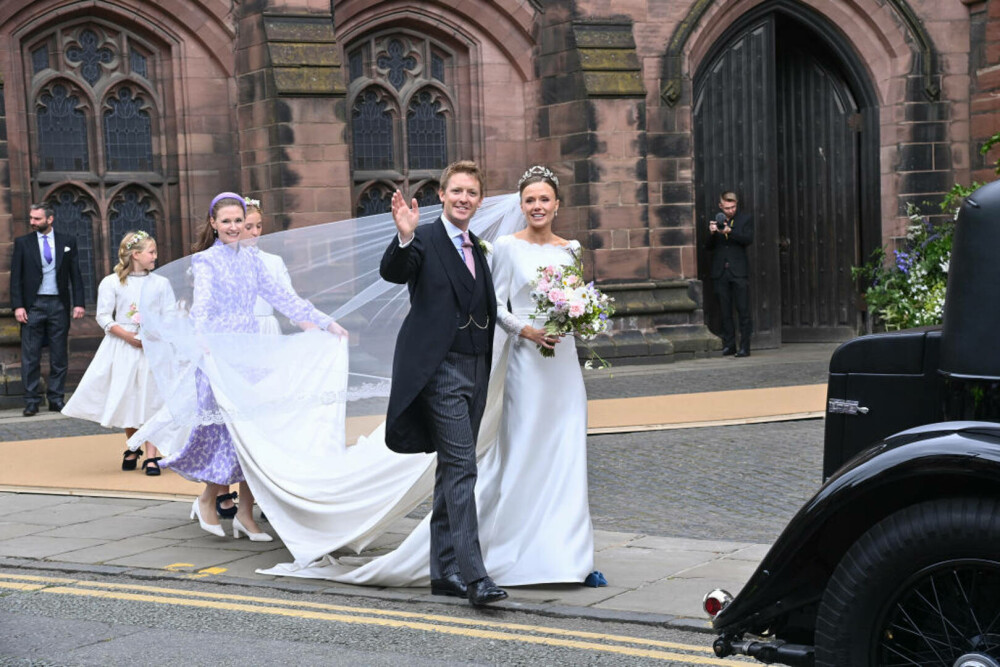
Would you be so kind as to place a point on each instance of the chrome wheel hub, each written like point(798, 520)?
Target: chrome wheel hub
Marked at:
point(976, 660)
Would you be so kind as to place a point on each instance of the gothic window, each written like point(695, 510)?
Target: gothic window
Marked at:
point(62, 131)
point(90, 56)
point(404, 115)
point(372, 129)
point(427, 194)
point(374, 200)
point(74, 213)
point(40, 58)
point(428, 132)
point(355, 63)
point(95, 119)
point(138, 63)
point(132, 210)
point(437, 67)
point(395, 64)
point(128, 142)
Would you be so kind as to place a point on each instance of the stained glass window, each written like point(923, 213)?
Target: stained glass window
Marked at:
point(437, 67)
point(102, 106)
point(130, 211)
point(137, 62)
point(401, 126)
point(396, 63)
point(355, 64)
point(374, 200)
point(372, 131)
point(427, 131)
point(127, 134)
point(62, 132)
point(40, 58)
point(87, 54)
point(427, 195)
point(73, 216)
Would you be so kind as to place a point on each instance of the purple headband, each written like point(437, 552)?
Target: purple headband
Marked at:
point(227, 195)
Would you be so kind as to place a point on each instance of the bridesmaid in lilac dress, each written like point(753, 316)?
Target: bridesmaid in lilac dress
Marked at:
point(228, 279)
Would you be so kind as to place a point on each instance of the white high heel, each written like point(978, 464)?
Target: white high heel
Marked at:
point(196, 514)
point(238, 528)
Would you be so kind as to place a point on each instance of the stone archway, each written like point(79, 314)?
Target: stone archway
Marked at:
point(785, 115)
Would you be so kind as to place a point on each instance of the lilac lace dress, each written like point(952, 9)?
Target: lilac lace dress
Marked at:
point(227, 282)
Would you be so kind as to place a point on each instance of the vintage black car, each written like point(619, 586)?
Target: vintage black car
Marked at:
point(896, 560)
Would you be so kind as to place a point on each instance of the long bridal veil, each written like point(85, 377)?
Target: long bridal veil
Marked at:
point(306, 408)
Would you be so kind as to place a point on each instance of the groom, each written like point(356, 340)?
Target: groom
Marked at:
point(441, 368)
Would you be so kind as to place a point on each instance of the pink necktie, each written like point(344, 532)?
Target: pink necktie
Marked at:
point(467, 252)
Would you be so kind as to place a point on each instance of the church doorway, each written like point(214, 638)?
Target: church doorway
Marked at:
point(784, 114)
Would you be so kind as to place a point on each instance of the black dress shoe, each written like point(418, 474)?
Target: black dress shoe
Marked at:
point(56, 406)
point(451, 585)
point(30, 411)
point(744, 352)
point(485, 591)
point(728, 350)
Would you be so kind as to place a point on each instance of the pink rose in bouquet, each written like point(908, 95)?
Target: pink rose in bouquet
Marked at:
point(568, 306)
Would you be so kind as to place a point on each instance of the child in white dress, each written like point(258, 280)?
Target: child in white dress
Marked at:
point(118, 390)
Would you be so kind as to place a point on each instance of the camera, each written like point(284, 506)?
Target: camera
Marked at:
point(719, 222)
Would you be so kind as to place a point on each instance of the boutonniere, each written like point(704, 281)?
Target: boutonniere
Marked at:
point(485, 246)
point(65, 248)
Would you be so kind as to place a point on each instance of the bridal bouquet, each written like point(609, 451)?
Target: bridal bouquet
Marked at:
point(568, 305)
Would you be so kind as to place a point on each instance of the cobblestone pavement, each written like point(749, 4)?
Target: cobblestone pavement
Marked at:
point(791, 365)
point(49, 426)
point(723, 483)
point(718, 483)
point(738, 483)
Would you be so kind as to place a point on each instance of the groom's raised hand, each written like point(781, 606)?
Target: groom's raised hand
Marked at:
point(406, 217)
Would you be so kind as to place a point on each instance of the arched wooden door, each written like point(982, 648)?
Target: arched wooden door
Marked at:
point(777, 119)
point(819, 214)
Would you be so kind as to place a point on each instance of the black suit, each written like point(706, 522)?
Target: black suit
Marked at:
point(440, 375)
point(730, 277)
point(47, 316)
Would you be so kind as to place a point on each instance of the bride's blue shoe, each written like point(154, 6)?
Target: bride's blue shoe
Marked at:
point(595, 579)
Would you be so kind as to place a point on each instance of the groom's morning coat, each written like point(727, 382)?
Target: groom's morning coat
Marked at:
point(441, 288)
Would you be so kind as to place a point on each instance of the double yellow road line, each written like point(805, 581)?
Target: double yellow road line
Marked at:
point(474, 628)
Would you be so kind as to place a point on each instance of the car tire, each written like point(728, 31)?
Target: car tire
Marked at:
point(921, 587)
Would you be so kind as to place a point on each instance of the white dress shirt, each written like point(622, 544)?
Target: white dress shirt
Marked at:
point(454, 233)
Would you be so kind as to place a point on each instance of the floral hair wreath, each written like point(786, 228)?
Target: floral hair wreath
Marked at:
point(538, 170)
point(251, 202)
point(137, 238)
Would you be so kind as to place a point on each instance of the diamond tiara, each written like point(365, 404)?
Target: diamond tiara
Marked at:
point(538, 170)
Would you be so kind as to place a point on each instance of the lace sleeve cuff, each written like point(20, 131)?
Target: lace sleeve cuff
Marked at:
point(509, 322)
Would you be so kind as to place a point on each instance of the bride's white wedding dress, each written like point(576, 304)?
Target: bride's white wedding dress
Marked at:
point(531, 493)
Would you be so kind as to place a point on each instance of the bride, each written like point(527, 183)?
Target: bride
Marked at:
point(321, 499)
point(531, 492)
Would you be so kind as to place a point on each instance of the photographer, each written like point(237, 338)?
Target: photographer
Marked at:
point(730, 234)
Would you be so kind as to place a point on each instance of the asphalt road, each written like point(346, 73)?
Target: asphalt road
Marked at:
point(94, 620)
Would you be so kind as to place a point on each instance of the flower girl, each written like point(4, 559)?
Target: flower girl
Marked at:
point(118, 390)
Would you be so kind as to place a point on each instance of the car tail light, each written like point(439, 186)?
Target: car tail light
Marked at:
point(716, 601)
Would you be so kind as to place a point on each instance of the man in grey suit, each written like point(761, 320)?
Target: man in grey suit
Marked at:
point(45, 282)
point(441, 367)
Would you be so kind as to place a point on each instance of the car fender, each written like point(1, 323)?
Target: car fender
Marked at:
point(931, 461)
